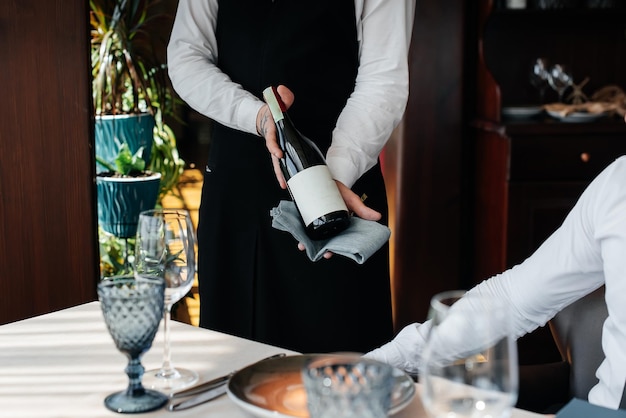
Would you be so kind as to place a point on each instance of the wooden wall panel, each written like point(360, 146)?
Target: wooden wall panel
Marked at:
point(48, 247)
point(425, 162)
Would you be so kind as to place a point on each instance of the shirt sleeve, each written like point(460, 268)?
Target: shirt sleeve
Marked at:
point(566, 267)
point(192, 56)
point(610, 232)
point(586, 252)
point(381, 90)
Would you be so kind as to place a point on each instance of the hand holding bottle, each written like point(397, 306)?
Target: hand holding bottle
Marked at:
point(356, 206)
point(266, 128)
point(293, 167)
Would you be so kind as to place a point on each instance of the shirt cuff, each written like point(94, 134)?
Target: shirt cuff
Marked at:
point(247, 113)
point(404, 351)
point(342, 169)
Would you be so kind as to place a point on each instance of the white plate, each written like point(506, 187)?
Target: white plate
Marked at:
point(273, 388)
point(576, 117)
point(521, 111)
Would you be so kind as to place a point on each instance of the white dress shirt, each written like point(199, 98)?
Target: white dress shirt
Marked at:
point(587, 251)
point(373, 110)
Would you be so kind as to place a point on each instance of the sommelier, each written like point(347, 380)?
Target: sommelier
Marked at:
point(346, 64)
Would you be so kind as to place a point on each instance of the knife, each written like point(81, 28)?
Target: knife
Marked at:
point(211, 384)
point(207, 396)
point(203, 387)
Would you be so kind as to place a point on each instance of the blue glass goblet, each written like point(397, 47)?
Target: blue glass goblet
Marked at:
point(132, 309)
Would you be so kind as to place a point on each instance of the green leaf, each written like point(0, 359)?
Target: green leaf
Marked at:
point(127, 163)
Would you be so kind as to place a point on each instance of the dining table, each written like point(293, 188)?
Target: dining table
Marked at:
point(64, 363)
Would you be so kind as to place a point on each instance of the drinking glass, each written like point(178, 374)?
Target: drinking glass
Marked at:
point(560, 78)
point(132, 309)
point(469, 361)
point(539, 76)
point(347, 386)
point(165, 248)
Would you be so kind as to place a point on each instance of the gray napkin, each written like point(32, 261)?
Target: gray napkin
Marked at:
point(359, 241)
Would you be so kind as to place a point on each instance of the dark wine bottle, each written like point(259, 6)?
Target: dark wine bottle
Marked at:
point(315, 193)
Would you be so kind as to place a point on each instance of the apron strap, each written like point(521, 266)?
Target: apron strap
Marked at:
point(622, 404)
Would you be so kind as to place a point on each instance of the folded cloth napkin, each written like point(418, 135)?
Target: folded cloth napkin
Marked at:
point(359, 241)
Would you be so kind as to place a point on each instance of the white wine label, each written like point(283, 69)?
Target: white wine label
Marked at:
point(315, 193)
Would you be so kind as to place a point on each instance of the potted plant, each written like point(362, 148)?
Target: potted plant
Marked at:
point(131, 92)
point(124, 191)
point(131, 96)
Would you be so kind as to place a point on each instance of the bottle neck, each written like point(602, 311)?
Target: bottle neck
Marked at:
point(276, 105)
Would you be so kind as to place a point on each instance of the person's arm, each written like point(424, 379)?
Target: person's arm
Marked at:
point(377, 104)
point(192, 56)
point(569, 265)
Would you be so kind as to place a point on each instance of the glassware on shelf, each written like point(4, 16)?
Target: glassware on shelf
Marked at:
point(539, 76)
point(515, 4)
point(602, 4)
point(560, 79)
point(555, 4)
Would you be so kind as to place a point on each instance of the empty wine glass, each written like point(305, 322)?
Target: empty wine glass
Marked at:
point(560, 78)
point(165, 248)
point(469, 366)
point(539, 76)
point(132, 309)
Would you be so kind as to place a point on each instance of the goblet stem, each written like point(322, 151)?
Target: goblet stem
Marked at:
point(127, 265)
point(134, 370)
point(168, 377)
point(167, 370)
point(135, 398)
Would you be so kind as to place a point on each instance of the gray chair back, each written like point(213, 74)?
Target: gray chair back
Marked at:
point(577, 331)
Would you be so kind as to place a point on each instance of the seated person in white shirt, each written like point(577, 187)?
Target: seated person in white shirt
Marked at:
point(586, 252)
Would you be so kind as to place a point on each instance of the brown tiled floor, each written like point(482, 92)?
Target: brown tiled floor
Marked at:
point(187, 196)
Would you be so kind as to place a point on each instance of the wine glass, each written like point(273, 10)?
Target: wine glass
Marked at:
point(165, 248)
point(539, 76)
point(132, 309)
point(469, 362)
point(560, 78)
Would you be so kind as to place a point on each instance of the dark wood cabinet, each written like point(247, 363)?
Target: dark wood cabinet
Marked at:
point(535, 173)
point(530, 172)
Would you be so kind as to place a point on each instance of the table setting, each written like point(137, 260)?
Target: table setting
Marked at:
point(65, 364)
point(112, 357)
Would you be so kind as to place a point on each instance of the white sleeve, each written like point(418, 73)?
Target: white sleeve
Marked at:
point(610, 233)
point(381, 91)
point(404, 351)
point(192, 56)
point(567, 266)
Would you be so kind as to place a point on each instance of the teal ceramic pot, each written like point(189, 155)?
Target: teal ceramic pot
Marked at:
point(111, 131)
point(120, 200)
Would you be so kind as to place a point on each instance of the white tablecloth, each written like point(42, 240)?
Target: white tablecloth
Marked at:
point(63, 365)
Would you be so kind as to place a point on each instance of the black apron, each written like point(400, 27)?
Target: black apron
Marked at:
point(253, 281)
